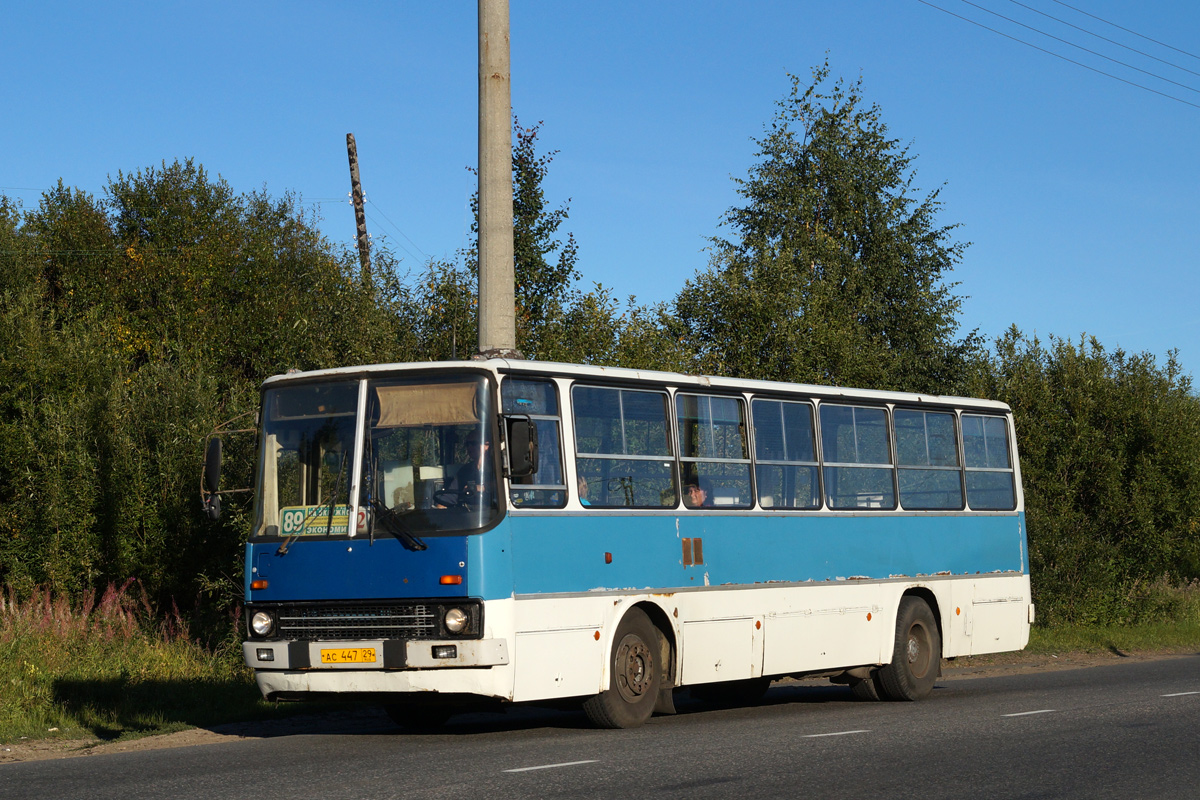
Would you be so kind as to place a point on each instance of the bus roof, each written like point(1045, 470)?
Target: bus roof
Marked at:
point(624, 375)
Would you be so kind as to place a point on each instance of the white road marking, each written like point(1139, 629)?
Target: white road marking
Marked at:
point(1027, 713)
point(552, 766)
point(839, 733)
point(1180, 694)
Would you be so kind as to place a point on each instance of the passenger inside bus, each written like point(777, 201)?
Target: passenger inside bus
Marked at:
point(695, 496)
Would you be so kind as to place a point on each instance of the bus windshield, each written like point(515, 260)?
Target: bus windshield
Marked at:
point(427, 458)
point(428, 453)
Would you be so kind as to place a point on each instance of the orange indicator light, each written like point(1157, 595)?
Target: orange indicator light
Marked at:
point(450, 580)
point(868, 616)
point(957, 611)
point(597, 636)
point(261, 583)
point(757, 624)
point(608, 558)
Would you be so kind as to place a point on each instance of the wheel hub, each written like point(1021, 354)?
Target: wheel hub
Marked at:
point(636, 668)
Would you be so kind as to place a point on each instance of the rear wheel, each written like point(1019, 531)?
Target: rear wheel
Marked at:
point(635, 675)
point(916, 656)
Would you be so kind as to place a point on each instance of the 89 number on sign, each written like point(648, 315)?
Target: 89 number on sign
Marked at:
point(293, 521)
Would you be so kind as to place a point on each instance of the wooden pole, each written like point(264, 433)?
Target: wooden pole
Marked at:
point(360, 216)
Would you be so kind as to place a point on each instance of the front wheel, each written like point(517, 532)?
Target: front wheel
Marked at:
point(635, 675)
point(916, 656)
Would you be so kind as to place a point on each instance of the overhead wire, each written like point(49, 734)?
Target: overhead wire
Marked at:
point(1127, 30)
point(1105, 38)
point(1080, 47)
point(397, 227)
point(1061, 56)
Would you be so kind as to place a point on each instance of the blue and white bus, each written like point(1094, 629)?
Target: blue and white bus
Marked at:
point(438, 535)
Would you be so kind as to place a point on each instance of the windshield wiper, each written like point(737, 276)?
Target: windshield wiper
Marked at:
point(392, 524)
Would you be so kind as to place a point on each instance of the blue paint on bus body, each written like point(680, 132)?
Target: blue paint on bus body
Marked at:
point(355, 569)
point(647, 553)
point(565, 553)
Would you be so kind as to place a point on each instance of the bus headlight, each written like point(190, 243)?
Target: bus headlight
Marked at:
point(262, 623)
point(456, 620)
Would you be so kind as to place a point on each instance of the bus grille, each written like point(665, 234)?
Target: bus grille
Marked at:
point(344, 623)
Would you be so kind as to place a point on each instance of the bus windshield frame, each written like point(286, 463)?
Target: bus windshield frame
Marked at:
point(415, 453)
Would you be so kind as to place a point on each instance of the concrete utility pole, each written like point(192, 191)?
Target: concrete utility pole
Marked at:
point(497, 315)
point(360, 216)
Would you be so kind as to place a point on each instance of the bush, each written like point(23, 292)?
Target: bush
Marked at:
point(1110, 459)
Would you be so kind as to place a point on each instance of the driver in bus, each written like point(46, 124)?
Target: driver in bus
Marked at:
point(472, 478)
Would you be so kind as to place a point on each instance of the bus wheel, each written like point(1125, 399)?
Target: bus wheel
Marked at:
point(917, 654)
point(635, 676)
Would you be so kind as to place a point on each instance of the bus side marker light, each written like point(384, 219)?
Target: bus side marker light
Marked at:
point(450, 580)
point(758, 624)
point(597, 637)
point(868, 616)
point(261, 583)
point(957, 611)
point(608, 558)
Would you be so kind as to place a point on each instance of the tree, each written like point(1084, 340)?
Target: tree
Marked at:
point(834, 269)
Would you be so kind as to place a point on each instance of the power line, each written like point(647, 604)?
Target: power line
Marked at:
point(397, 227)
point(1105, 38)
point(1127, 30)
point(1081, 47)
point(402, 247)
point(1060, 56)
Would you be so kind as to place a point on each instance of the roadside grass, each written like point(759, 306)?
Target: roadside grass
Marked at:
point(111, 668)
point(1163, 618)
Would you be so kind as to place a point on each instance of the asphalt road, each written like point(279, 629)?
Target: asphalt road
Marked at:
point(1128, 731)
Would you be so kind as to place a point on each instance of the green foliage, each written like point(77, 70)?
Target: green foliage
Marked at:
point(834, 272)
point(1110, 459)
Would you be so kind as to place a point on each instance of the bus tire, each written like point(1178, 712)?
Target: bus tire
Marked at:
point(635, 676)
point(917, 655)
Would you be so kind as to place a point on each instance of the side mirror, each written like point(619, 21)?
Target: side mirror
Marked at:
point(212, 466)
point(212, 506)
point(522, 447)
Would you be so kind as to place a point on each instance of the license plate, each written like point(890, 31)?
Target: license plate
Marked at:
point(349, 655)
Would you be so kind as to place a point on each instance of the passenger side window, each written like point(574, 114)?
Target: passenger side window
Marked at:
point(713, 451)
point(990, 482)
point(538, 400)
point(927, 456)
point(856, 456)
point(785, 455)
point(623, 447)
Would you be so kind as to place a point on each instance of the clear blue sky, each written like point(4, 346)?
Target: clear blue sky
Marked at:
point(1079, 193)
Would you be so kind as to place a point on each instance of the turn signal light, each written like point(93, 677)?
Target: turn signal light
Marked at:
point(261, 583)
point(450, 580)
